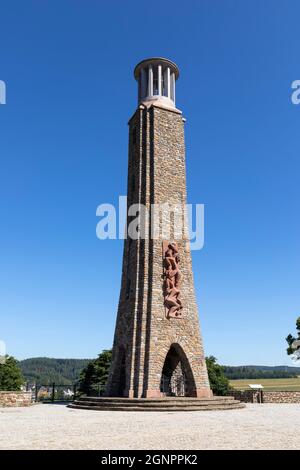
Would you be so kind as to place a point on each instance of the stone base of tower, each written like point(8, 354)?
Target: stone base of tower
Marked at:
point(203, 393)
point(156, 404)
point(198, 393)
point(153, 394)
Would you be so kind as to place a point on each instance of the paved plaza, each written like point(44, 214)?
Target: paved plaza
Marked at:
point(268, 426)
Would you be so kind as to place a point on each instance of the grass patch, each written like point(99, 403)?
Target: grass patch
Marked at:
point(282, 385)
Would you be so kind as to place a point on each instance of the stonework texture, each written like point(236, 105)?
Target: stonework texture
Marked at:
point(143, 335)
point(250, 396)
point(9, 399)
point(281, 397)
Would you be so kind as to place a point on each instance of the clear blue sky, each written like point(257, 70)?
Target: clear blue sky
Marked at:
point(68, 66)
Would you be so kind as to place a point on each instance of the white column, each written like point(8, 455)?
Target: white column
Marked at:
point(143, 84)
point(173, 86)
point(159, 81)
point(169, 82)
point(150, 81)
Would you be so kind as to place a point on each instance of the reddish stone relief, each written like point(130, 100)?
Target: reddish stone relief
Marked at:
point(172, 278)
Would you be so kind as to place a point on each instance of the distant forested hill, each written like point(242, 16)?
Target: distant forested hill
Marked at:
point(260, 372)
point(45, 370)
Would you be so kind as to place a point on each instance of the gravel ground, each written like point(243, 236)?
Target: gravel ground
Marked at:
point(268, 426)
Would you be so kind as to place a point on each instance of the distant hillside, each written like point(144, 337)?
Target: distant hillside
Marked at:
point(45, 370)
point(261, 372)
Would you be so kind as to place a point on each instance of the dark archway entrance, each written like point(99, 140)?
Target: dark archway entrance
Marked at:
point(177, 378)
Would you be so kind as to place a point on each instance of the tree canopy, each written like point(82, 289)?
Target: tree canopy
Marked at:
point(94, 376)
point(11, 378)
point(218, 382)
point(292, 349)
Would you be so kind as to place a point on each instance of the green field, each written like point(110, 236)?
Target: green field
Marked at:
point(282, 385)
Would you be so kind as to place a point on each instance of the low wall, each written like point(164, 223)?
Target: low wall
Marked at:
point(246, 396)
point(252, 396)
point(281, 397)
point(15, 399)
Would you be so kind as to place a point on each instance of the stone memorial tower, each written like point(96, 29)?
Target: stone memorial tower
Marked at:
point(158, 361)
point(157, 348)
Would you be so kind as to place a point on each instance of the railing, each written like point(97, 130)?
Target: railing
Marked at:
point(61, 393)
point(52, 392)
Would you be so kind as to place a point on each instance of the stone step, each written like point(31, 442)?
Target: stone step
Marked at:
point(155, 400)
point(228, 406)
point(156, 404)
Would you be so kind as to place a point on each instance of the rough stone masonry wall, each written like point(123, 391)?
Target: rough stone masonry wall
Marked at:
point(156, 174)
point(134, 280)
point(250, 396)
point(169, 186)
point(9, 399)
point(281, 397)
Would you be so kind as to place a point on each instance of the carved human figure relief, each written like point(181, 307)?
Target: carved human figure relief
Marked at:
point(172, 277)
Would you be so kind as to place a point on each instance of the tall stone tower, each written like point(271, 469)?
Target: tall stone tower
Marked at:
point(157, 348)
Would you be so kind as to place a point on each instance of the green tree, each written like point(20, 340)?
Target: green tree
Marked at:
point(290, 340)
point(94, 376)
point(11, 378)
point(218, 382)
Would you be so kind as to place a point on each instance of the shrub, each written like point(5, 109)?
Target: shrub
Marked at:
point(11, 378)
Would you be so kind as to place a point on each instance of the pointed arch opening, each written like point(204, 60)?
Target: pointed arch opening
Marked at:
point(177, 377)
